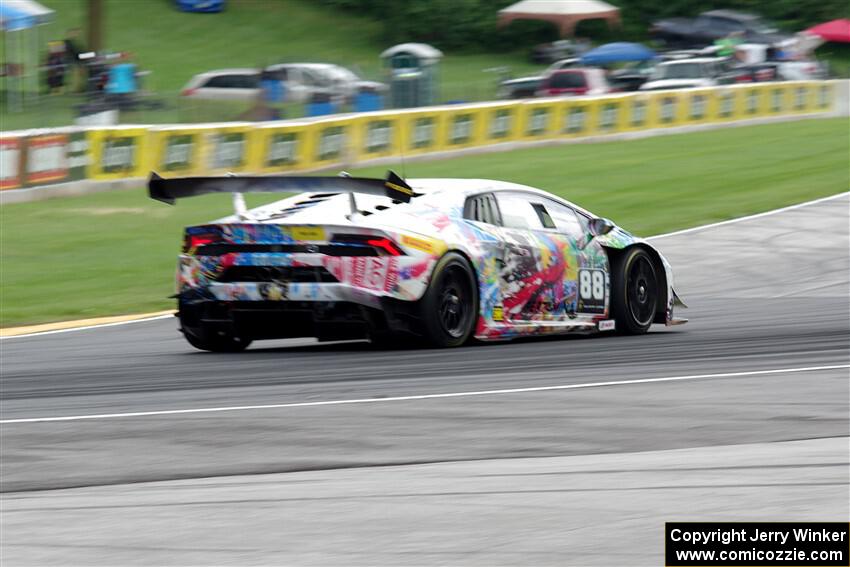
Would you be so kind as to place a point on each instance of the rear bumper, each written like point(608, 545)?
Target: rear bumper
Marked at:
point(324, 320)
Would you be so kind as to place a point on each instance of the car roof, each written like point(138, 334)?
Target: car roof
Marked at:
point(474, 186)
point(731, 14)
point(234, 71)
point(693, 60)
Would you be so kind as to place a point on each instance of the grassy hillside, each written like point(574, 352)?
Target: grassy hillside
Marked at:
point(114, 253)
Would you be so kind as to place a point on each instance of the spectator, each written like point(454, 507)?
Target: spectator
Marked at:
point(73, 49)
point(56, 65)
point(728, 45)
point(121, 82)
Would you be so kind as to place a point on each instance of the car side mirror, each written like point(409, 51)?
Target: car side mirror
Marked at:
point(600, 226)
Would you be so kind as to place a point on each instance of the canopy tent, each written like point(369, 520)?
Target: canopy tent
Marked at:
point(836, 30)
point(565, 14)
point(22, 14)
point(19, 19)
point(616, 53)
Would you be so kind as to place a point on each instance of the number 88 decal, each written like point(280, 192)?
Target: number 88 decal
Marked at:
point(591, 290)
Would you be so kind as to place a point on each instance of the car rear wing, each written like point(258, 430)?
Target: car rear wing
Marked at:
point(171, 189)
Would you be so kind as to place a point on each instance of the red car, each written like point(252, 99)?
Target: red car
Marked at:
point(577, 81)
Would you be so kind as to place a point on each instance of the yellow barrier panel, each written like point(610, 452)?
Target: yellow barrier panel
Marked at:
point(422, 131)
point(576, 118)
point(667, 108)
point(500, 123)
point(751, 102)
point(538, 120)
point(725, 103)
point(698, 103)
point(635, 111)
point(118, 153)
point(376, 135)
point(462, 128)
point(226, 149)
point(176, 150)
point(280, 148)
point(612, 114)
point(801, 97)
point(329, 142)
point(825, 97)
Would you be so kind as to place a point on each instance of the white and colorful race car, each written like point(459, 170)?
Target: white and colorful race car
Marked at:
point(444, 260)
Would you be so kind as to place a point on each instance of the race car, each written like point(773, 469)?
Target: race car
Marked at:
point(439, 261)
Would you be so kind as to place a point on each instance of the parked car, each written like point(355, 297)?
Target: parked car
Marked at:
point(690, 73)
point(224, 84)
point(713, 25)
point(523, 87)
point(577, 81)
point(303, 80)
point(568, 63)
point(632, 75)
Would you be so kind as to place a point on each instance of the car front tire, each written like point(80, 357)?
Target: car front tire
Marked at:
point(635, 292)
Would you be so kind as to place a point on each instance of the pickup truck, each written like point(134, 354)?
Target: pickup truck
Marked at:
point(710, 26)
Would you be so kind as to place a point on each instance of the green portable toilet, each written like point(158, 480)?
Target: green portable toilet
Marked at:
point(412, 74)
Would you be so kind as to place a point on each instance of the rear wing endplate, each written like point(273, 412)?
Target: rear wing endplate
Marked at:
point(169, 190)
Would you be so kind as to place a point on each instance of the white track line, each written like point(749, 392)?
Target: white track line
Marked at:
point(751, 217)
point(425, 396)
point(684, 231)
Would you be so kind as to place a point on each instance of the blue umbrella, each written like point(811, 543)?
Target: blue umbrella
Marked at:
point(617, 53)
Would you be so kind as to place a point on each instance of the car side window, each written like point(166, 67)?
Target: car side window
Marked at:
point(566, 219)
point(232, 82)
point(518, 212)
point(482, 208)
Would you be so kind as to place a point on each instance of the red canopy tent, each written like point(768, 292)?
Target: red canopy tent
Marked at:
point(836, 30)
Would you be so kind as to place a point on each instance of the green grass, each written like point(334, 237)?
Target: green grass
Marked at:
point(175, 46)
point(113, 253)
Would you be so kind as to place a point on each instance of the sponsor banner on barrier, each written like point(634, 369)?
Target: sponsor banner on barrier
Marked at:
point(725, 104)
point(377, 136)
point(11, 166)
point(329, 142)
point(46, 159)
point(281, 148)
point(499, 124)
point(226, 149)
point(118, 153)
point(576, 118)
point(538, 119)
point(668, 109)
point(176, 151)
point(41, 157)
point(422, 131)
point(462, 128)
point(698, 106)
point(636, 112)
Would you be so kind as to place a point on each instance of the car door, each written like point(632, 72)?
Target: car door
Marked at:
point(231, 87)
point(538, 269)
point(586, 279)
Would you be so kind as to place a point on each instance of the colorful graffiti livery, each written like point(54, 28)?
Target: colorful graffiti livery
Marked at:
point(461, 259)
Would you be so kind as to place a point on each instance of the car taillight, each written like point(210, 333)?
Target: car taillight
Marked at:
point(380, 245)
point(188, 92)
point(386, 245)
point(194, 241)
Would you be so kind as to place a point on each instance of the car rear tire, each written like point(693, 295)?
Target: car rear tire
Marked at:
point(203, 338)
point(449, 308)
point(634, 293)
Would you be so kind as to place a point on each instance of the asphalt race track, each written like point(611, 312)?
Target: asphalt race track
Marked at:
point(543, 454)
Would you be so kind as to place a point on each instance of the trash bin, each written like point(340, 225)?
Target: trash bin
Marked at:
point(368, 99)
point(321, 104)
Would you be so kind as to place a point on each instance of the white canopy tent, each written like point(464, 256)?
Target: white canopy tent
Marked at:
point(565, 14)
point(21, 22)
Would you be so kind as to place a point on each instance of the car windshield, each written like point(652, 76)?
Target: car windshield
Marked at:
point(567, 81)
point(679, 71)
